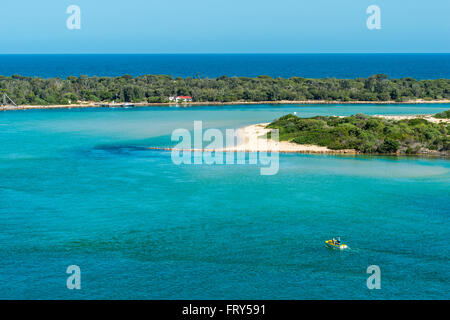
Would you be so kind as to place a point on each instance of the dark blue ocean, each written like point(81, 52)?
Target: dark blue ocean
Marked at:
point(419, 66)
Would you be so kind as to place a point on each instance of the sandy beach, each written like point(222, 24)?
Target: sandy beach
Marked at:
point(428, 117)
point(90, 104)
point(253, 138)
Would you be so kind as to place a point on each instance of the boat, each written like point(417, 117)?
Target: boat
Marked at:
point(333, 244)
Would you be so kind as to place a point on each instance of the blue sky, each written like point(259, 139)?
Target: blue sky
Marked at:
point(224, 26)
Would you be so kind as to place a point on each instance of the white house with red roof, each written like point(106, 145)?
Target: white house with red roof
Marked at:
point(181, 98)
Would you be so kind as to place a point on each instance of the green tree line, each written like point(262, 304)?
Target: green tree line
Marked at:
point(157, 88)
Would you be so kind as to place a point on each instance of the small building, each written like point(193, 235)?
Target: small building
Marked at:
point(181, 98)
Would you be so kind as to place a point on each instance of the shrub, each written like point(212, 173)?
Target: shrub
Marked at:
point(389, 146)
point(443, 115)
point(365, 134)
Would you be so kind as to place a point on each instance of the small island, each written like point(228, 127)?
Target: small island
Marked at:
point(356, 134)
point(420, 135)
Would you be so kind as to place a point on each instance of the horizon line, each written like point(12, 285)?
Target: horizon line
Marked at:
point(211, 53)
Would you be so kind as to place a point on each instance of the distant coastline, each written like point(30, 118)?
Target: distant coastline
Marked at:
point(91, 104)
point(160, 90)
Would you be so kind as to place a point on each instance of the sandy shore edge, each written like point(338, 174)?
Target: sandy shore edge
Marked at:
point(192, 104)
point(428, 117)
point(253, 138)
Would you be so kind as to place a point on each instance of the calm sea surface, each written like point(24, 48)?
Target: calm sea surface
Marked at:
point(419, 66)
point(77, 188)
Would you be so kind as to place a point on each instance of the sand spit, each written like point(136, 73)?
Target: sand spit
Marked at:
point(254, 139)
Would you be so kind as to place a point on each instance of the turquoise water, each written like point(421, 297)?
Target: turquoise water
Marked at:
point(77, 188)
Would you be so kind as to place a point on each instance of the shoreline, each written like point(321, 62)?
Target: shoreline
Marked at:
point(428, 117)
point(193, 104)
point(253, 138)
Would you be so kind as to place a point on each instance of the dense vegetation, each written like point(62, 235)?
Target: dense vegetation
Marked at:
point(157, 88)
point(366, 134)
point(443, 115)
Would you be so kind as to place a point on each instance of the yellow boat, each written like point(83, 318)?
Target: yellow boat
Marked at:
point(332, 244)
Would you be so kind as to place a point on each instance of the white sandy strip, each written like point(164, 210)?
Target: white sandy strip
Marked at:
point(428, 117)
point(254, 139)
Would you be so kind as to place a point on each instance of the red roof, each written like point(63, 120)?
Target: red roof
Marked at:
point(184, 97)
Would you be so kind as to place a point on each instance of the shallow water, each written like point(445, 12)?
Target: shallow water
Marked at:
point(76, 187)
